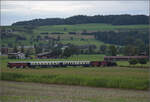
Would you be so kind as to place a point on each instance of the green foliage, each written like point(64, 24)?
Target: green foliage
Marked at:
point(115, 77)
point(130, 50)
point(80, 79)
point(112, 51)
point(29, 52)
point(36, 36)
point(123, 37)
point(67, 52)
point(133, 61)
point(142, 61)
point(15, 49)
point(57, 51)
point(82, 19)
point(88, 27)
point(70, 50)
point(134, 47)
point(103, 49)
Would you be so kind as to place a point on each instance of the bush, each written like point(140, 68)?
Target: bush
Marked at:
point(133, 61)
point(142, 61)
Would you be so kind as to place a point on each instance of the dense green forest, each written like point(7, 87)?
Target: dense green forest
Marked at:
point(82, 19)
point(122, 37)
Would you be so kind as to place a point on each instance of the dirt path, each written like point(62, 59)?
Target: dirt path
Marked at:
point(35, 92)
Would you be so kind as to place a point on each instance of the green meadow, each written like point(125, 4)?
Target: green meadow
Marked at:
point(88, 27)
point(108, 77)
point(21, 31)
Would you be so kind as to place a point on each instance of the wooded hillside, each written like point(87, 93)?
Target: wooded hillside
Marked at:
point(83, 19)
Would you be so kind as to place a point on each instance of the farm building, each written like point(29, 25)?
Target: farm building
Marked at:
point(83, 46)
point(17, 55)
point(4, 50)
point(26, 47)
point(123, 58)
point(46, 55)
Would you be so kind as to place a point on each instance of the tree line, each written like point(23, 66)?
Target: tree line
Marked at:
point(64, 51)
point(83, 19)
point(122, 37)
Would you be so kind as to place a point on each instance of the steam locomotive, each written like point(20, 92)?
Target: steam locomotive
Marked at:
point(48, 64)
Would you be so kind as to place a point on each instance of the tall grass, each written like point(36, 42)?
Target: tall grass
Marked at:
point(113, 77)
point(83, 79)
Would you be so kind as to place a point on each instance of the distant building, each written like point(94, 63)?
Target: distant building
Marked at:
point(6, 30)
point(83, 46)
point(4, 50)
point(46, 55)
point(123, 58)
point(9, 31)
point(26, 47)
point(17, 55)
point(143, 53)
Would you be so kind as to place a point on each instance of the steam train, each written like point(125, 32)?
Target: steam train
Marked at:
point(48, 64)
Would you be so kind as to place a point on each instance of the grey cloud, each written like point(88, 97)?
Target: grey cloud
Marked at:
point(16, 11)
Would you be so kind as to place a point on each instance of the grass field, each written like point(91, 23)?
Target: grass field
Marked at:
point(112, 77)
point(84, 42)
point(60, 28)
point(35, 92)
point(88, 27)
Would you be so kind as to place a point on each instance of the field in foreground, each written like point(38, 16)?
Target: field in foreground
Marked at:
point(33, 92)
point(110, 77)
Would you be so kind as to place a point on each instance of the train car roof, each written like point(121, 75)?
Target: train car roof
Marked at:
point(20, 62)
point(44, 61)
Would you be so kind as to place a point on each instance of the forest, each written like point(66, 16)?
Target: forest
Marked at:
point(83, 19)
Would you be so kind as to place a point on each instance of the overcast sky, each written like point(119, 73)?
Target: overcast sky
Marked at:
point(13, 11)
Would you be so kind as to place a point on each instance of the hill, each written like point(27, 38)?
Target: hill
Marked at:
point(88, 27)
point(79, 34)
point(83, 19)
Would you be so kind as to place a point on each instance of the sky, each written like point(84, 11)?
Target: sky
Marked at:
point(14, 11)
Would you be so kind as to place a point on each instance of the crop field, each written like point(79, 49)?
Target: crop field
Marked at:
point(108, 77)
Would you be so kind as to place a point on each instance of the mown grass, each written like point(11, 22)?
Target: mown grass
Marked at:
point(23, 98)
point(34, 92)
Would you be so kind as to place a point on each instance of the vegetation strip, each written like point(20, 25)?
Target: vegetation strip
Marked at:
point(111, 82)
